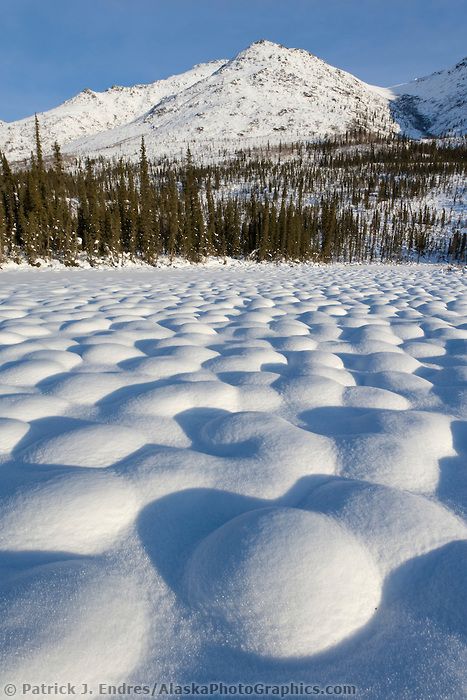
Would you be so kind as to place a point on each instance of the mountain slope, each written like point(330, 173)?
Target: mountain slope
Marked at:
point(266, 94)
point(435, 105)
point(91, 112)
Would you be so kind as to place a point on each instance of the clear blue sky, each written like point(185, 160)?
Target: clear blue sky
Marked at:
point(52, 49)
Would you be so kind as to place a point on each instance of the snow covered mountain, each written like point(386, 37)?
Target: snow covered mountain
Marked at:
point(434, 105)
point(267, 93)
point(92, 112)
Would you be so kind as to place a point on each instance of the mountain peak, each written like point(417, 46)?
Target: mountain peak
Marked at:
point(268, 93)
point(260, 49)
point(267, 44)
point(266, 48)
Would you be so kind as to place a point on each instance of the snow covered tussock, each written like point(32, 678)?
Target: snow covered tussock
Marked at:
point(242, 474)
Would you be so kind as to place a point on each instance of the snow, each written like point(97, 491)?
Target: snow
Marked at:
point(91, 446)
point(266, 94)
point(72, 514)
point(438, 102)
point(293, 560)
point(249, 472)
point(91, 112)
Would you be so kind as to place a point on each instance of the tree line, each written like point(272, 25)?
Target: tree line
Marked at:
point(351, 198)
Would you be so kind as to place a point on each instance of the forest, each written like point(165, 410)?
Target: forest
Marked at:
point(351, 198)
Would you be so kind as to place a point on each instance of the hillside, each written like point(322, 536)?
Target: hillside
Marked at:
point(266, 94)
point(435, 105)
point(91, 112)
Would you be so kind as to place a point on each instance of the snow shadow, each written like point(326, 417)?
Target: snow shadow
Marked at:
point(452, 487)
point(171, 527)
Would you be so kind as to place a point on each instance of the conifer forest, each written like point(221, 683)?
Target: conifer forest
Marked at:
point(350, 198)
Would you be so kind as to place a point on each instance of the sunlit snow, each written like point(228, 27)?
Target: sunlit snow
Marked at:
point(247, 474)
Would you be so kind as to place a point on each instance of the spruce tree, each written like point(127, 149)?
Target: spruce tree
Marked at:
point(146, 239)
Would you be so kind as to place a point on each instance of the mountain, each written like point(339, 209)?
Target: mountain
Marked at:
point(92, 112)
point(434, 105)
point(267, 93)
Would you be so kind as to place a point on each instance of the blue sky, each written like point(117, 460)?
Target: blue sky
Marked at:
point(52, 49)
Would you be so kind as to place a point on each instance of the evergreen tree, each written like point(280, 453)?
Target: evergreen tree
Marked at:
point(147, 243)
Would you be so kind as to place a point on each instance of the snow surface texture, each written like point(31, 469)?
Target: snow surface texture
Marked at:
point(266, 94)
point(252, 474)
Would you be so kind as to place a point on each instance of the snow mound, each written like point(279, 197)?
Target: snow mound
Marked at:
point(75, 623)
point(107, 353)
point(274, 578)
point(66, 359)
point(10, 338)
point(86, 387)
point(373, 397)
point(282, 496)
point(168, 401)
point(27, 407)
point(77, 514)
point(11, 432)
point(29, 372)
point(395, 525)
point(263, 436)
point(404, 452)
point(91, 446)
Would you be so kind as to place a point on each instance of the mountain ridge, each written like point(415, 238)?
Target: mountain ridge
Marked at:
point(267, 93)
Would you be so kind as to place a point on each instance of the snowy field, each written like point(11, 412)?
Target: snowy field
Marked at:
point(246, 475)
